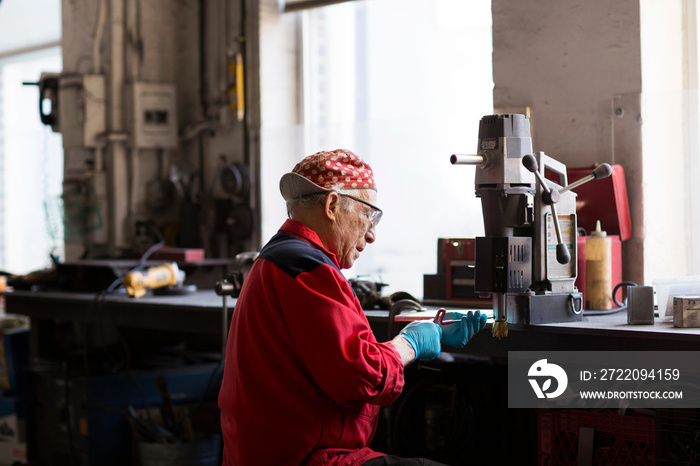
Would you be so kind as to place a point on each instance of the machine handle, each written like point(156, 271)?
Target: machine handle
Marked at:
point(459, 159)
point(601, 171)
point(549, 196)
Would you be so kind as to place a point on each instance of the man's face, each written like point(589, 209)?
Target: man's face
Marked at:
point(354, 229)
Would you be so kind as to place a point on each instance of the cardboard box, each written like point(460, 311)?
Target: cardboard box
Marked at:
point(686, 311)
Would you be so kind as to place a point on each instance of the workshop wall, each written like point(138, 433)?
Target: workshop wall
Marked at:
point(567, 60)
point(191, 45)
point(579, 67)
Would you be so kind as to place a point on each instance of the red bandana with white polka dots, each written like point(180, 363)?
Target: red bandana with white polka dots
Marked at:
point(339, 168)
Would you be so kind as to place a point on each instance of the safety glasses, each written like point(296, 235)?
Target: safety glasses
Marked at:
point(374, 215)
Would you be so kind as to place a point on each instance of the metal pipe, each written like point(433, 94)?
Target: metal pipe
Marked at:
point(601, 171)
point(577, 183)
point(500, 319)
point(555, 219)
point(464, 159)
point(119, 169)
point(499, 306)
point(224, 328)
point(223, 68)
point(287, 6)
point(542, 181)
point(97, 40)
point(31, 48)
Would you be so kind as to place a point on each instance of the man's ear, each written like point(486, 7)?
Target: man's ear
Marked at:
point(332, 206)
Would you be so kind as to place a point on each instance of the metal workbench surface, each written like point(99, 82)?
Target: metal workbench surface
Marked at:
point(609, 332)
point(200, 312)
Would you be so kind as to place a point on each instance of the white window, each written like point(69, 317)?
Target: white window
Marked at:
point(31, 155)
point(693, 132)
point(402, 83)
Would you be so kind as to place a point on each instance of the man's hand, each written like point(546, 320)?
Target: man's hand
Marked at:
point(459, 333)
point(424, 337)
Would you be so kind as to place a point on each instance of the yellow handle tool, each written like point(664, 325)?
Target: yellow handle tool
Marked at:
point(138, 282)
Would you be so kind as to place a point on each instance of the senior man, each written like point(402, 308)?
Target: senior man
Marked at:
point(304, 376)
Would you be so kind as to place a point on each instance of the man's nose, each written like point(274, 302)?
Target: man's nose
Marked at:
point(371, 234)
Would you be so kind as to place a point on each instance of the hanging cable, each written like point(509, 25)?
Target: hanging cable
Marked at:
point(622, 305)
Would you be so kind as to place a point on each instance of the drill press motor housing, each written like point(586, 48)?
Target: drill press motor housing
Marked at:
point(527, 259)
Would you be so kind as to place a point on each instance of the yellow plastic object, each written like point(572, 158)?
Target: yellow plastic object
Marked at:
point(8, 326)
point(598, 270)
point(237, 92)
point(138, 282)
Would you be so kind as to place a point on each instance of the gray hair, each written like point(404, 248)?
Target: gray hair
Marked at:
point(311, 200)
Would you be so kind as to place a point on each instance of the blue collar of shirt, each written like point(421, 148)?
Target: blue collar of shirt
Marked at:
point(298, 229)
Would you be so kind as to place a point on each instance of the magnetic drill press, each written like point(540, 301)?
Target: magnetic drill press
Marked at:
point(527, 259)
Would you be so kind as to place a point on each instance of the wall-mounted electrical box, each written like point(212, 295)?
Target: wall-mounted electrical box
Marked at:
point(155, 117)
point(81, 112)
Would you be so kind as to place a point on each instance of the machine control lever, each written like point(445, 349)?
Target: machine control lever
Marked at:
point(551, 197)
point(469, 159)
point(601, 171)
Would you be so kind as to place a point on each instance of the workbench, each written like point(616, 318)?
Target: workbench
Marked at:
point(200, 312)
point(73, 335)
point(195, 313)
point(483, 381)
point(479, 382)
point(601, 333)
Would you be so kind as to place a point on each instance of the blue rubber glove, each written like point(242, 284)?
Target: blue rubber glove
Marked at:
point(459, 333)
point(424, 336)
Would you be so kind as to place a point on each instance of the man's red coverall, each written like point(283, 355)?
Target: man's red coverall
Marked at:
point(304, 375)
